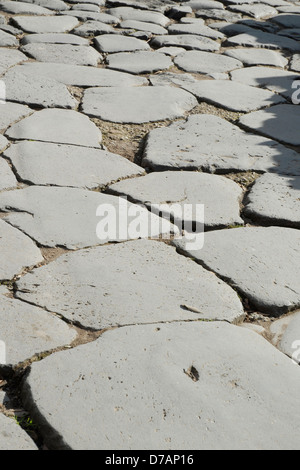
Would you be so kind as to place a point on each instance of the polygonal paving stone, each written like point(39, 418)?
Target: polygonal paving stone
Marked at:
point(41, 91)
point(295, 63)
point(252, 56)
point(11, 113)
point(10, 57)
point(58, 5)
point(262, 39)
point(155, 5)
point(185, 190)
point(265, 267)
point(275, 200)
point(28, 330)
point(13, 437)
point(206, 62)
point(45, 24)
point(126, 13)
point(7, 178)
point(81, 75)
point(218, 14)
point(287, 20)
point(205, 4)
point(142, 26)
point(286, 334)
point(139, 62)
point(279, 81)
point(187, 41)
point(68, 217)
point(137, 105)
point(257, 11)
point(278, 122)
point(7, 40)
point(17, 251)
point(58, 126)
point(117, 43)
point(63, 53)
point(196, 29)
point(44, 163)
point(181, 385)
point(54, 38)
point(129, 283)
point(233, 95)
point(93, 28)
point(212, 144)
point(169, 78)
point(3, 143)
point(23, 8)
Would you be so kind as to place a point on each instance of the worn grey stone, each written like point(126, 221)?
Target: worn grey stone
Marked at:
point(3, 142)
point(264, 268)
point(170, 78)
point(7, 178)
point(142, 26)
point(45, 24)
point(23, 8)
point(7, 40)
point(28, 330)
point(139, 62)
point(137, 104)
point(10, 57)
point(128, 13)
point(206, 62)
point(12, 112)
point(234, 96)
point(295, 63)
point(58, 126)
point(195, 29)
point(171, 51)
point(13, 437)
point(219, 195)
point(262, 39)
point(67, 217)
point(258, 11)
point(209, 143)
point(278, 122)
point(58, 5)
point(286, 334)
point(279, 81)
point(54, 38)
point(118, 295)
point(287, 20)
point(139, 391)
point(63, 53)
point(118, 43)
point(43, 163)
point(187, 41)
point(93, 28)
point(218, 14)
point(275, 199)
point(41, 91)
point(253, 56)
point(17, 251)
point(205, 4)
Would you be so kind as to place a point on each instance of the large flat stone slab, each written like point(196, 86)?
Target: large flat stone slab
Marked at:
point(63, 53)
point(54, 38)
point(264, 268)
point(128, 13)
point(278, 122)
point(177, 386)
point(137, 105)
point(130, 283)
point(58, 126)
point(110, 43)
point(70, 217)
point(255, 56)
point(142, 26)
point(295, 63)
point(233, 95)
point(195, 29)
point(3, 143)
point(220, 196)
point(24, 8)
point(13, 437)
point(80, 75)
point(94, 28)
point(7, 40)
point(263, 39)
point(275, 199)
point(209, 143)
point(187, 41)
point(46, 24)
point(139, 62)
point(10, 57)
point(44, 163)
point(17, 251)
point(7, 178)
point(259, 11)
point(41, 91)
point(11, 113)
point(28, 330)
point(206, 62)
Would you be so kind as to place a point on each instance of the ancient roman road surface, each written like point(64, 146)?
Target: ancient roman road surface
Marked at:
point(121, 325)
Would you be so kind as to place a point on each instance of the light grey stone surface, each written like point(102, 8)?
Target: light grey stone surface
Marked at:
point(278, 122)
point(187, 41)
point(137, 391)
point(206, 63)
point(7, 178)
point(264, 268)
point(137, 105)
point(63, 53)
point(44, 163)
point(127, 13)
point(3, 142)
point(13, 437)
point(7, 40)
point(23, 8)
point(220, 196)
point(295, 64)
point(54, 38)
point(10, 57)
point(253, 56)
point(139, 62)
point(142, 26)
point(13, 241)
point(28, 330)
point(275, 199)
point(256, 11)
point(58, 126)
point(91, 27)
point(170, 78)
point(46, 24)
point(118, 295)
point(286, 333)
point(118, 43)
point(68, 217)
point(188, 145)
point(12, 112)
point(195, 29)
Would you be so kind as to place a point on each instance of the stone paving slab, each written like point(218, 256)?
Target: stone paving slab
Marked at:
point(44, 163)
point(54, 38)
point(13, 241)
point(137, 105)
point(127, 13)
point(28, 330)
point(7, 40)
point(7, 178)
point(253, 56)
point(263, 39)
point(46, 24)
point(11, 113)
point(187, 41)
point(139, 62)
point(264, 267)
point(12, 437)
point(117, 43)
point(177, 147)
point(10, 57)
point(3, 143)
point(206, 63)
point(119, 297)
point(63, 53)
point(23, 8)
point(168, 386)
